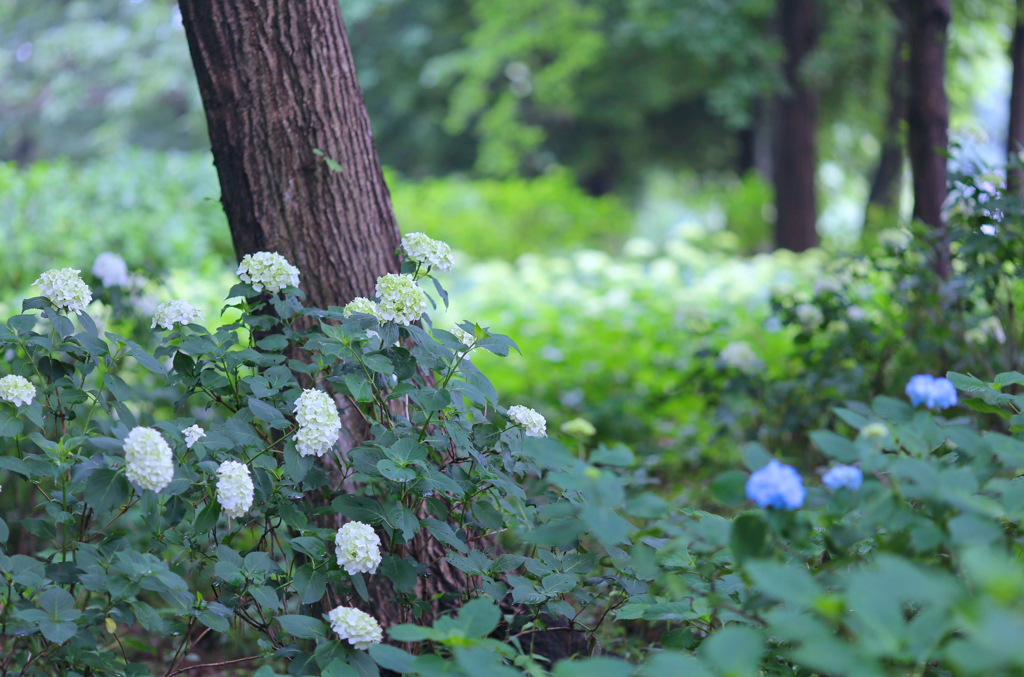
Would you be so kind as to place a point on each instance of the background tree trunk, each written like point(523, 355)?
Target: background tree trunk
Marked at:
point(1015, 138)
point(796, 117)
point(278, 82)
point(888, 179)
point(928, 116)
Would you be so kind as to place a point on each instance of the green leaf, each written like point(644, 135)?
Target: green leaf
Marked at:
point(734, 650)
point(295, 464)
point(670, 663)
point(787, 583)
point(618, 455)
point(58, 632)
point(302, 627)
point(148, 617)
point(359, 508)
point(835, 446)
point(146, 360)
point(401, 572)
point(748, 537)
point(206, 520)
point(593, 667)
point(58, 604)
point(392, 658)
point(292, 515)
point(395, 473)
point(265, 597)
point(443, 532)
point(105, 489)
point(10, 425)
point(310, 584)
point(479, 617)
point(359, 387)
point(1010, 378)
point(729, 487)
point(314, 547)
point(266, 412)
point(379, 363)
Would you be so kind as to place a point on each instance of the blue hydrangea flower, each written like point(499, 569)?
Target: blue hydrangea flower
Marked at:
point(934, 393)
point(840, 476)
point(776, 486)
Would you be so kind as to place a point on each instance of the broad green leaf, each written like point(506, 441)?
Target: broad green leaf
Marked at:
point(302, 627)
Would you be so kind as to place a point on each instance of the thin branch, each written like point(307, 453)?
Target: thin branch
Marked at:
point(212, 665)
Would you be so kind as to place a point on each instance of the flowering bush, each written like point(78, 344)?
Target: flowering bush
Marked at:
point(465, 539)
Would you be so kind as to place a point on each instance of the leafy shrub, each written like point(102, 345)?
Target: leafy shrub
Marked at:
point(505, 218)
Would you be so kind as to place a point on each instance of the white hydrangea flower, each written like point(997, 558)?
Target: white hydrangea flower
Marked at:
point(432, 252)
point(169, 313)
point(148, 459)
point(358, 548)
point(401, 299)
point(318, 420)
point(65, 289)
point(111, 269)
point(192, 435)
point(234, 488)
point(361, 304)
point(268, 270)
point(359, 628)
point(466, 338)
point(530, 420)
point(739, 355)
point(17, 390)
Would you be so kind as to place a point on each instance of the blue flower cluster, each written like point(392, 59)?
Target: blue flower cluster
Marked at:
point(934, 393)
point(843, 476)
point(776, 486)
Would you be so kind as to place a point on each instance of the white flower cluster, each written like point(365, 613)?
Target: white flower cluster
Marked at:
point(434, 253)
point(234, 488)
point(17, 390)
point(465, 337)
point(530, 420)
point(65, 289)
point(192, 435)
point(169, 313)
point(148, 459)
point(739, 355)
point(111, 270)
point(268, 270)
point(361, 304)
point(357, 547)
point(989, 328)
point(318, 420)
point(359, 628)
point(401, 299)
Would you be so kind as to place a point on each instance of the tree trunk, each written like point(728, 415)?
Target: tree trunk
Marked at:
point(888, 180)
point(928, 117)
point(796, 118)
point(278, 83)
point(1015, 138)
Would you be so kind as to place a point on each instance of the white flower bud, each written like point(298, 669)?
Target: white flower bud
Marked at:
point(268, 270)
point(319, 423)
point(65, 289)
point(401, 299)
point(234, 488)
point(192, 435)
point(169, 313)
point(148, 459)
point(111, 270)
point(359, 628)
point(532, 423)
point(17, 390)
point(357, 547)
point(433, 253)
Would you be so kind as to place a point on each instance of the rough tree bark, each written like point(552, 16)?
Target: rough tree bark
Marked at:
point(888, 179)
point(796, 118)
point(278, 82)
point(1015, 137)
point(928, 116)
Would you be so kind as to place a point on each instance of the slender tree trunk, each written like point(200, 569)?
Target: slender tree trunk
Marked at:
point(278, 83)
point(888, 180)
point(796, 117)
point(1015, 138)
point(928, 117)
